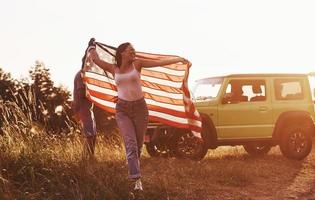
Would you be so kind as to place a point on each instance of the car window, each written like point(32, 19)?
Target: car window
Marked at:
point(288, 89)
point(206, 89)
point(245, 91)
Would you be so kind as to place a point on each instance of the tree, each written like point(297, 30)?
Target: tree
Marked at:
point(7, 88)
point(52, 105)
point(44, 103)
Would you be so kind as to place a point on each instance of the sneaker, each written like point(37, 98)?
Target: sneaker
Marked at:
point(137, 191)
point(138, 185)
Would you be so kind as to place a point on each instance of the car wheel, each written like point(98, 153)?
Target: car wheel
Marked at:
point(186, 145)
point(158, 150)
point(296, 142)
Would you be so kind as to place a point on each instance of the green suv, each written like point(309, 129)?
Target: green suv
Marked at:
point(257, 111)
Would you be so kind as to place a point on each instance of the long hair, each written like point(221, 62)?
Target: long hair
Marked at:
point(119, 50)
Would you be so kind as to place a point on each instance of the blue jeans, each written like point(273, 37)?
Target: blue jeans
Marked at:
point(87, 120)
point(132, 120)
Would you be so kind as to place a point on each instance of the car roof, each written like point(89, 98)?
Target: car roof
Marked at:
point(251, 75)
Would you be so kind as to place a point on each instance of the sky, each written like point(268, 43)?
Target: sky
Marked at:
point(219, 37)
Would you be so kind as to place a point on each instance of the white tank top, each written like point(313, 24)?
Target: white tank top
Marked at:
point(129, 85)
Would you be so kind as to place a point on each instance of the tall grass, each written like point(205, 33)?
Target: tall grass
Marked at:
point(37, 165)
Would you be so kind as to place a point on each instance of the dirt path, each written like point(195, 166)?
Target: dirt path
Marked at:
point(230, 173)
point(303, 186)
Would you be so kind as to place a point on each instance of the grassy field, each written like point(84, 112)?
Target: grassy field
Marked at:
point(36, 166)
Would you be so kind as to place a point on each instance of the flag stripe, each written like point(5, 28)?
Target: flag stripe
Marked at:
point(173, 123)
point(162, 82)
point(99, 83)
point(156, 86)
point(161, 75)
point(108, 90)
point(165, 90)
point(98, 76)
point(167, 71)
point(157, 72)
point(167, 106)
point(173, 112)
point(109, 104)
point(146, 83)
point(181, 115)
point(153, 97)
point(157, 114)
point(162, 93)
point(103, 96)
point(162, 99)
point(177, 66)
point(102, 90)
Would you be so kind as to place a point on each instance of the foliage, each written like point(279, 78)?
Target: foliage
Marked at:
point(52, 104)
point(44, 103)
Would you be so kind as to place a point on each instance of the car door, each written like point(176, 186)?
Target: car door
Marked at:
point(245, 109)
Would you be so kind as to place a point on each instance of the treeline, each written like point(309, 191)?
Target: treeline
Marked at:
point(43, 103)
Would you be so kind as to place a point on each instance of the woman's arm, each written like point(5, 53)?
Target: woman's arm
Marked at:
point(102, 64)
point(154, 63)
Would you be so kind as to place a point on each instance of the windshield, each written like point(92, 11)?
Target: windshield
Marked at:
point(206, 89)
point(312, 85)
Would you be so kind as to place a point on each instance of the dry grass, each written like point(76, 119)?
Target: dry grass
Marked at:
point(37, 166)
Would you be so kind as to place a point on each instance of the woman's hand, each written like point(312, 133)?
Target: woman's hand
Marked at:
point(93, 54)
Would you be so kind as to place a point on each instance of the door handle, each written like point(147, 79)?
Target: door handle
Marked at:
point(263, 108)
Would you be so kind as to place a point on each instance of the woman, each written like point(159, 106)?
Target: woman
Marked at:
point(131, 108)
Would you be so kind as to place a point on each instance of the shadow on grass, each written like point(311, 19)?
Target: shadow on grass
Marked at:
point(221, 174)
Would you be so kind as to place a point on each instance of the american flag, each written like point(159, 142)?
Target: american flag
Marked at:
point(165, 90)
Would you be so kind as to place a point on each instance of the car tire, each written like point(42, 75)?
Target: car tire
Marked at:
point(186, 145)
point(296, 142)
point(155, 151)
